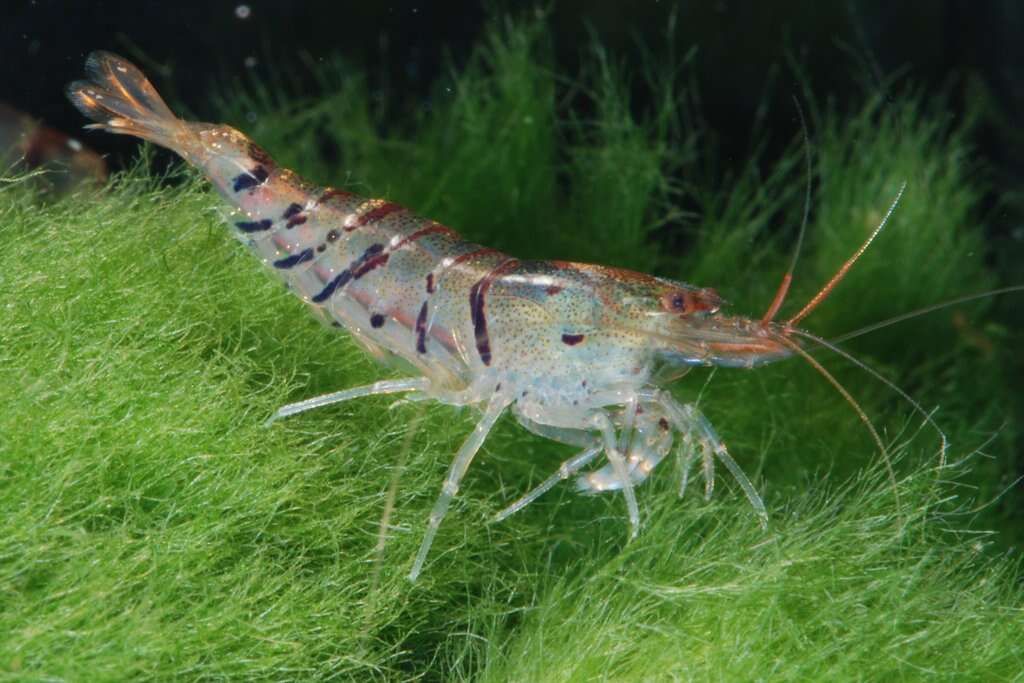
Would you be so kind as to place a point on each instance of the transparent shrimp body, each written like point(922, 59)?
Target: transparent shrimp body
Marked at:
point(576, 352)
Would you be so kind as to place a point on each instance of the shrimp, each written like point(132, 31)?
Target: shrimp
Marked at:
point(578, 353)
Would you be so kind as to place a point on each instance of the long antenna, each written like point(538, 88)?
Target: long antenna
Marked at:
point(892, 385)
point(787, 279)
point(922, 311)
point(841, 273)
point(837, 385)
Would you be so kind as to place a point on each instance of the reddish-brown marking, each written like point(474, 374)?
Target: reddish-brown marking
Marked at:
point(553, 289)
point(423, 232)
point(374, 215)
point(740, 348)
point(620, 274)
point(483, 251)
point(375, 262)
point(477, 314)
point(258, 154)
point(331, 193)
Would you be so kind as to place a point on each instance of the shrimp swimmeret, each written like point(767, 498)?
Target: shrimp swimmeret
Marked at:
point(576, 352)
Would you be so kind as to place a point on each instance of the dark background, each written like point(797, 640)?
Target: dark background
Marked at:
point(843, 46)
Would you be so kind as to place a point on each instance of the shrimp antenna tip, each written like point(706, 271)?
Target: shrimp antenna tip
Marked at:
point(825, 291)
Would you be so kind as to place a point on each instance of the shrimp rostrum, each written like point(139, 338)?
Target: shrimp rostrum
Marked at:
point(577, 353)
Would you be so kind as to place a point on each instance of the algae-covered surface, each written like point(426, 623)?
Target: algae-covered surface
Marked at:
point(152, 528)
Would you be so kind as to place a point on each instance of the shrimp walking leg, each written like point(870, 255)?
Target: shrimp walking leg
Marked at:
point(685, 454)
point(396, 386)
point(688, 419)
point(565, 470)
point(457, 470)
point(618, 463)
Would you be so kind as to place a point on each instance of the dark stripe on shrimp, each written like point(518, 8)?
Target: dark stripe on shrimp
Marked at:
point(249, 180)
point(376, 320)
point(421, 329)
point(255, 226)
point(375, 256)
point(375, 262)
point(291, 214)
point(294, 259)
point(477, 312)
point(572, 339)
point(430, 283)
point(340, 280)
point(370, 259)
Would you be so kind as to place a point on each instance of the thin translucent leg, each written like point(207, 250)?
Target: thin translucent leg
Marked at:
point(686, 455)
point(621, 468)
point(688, 418)
point(708, 458)
point(748, 488)
point(626, 431)
point(391, 386)
point(718, 446)
point(565, 470)
point(455, 473)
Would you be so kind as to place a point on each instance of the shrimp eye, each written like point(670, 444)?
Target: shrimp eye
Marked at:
point(690, 302)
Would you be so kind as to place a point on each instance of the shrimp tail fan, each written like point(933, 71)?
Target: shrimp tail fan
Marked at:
point(120, 99)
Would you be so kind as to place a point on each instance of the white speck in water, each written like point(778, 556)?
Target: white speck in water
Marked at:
point(251, 117)
point(250, 62)
point(243, 11)
point(74, 144)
